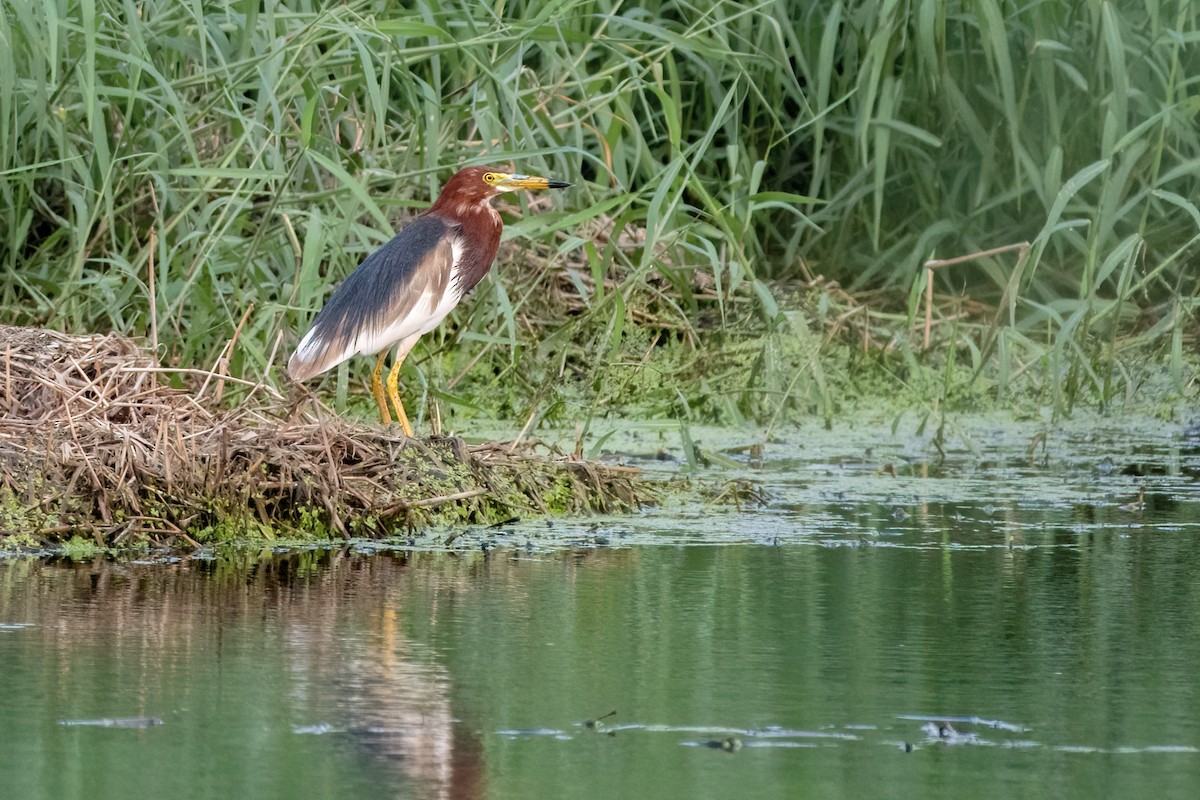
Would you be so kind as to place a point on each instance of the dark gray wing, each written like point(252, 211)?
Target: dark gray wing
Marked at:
point(372, 308)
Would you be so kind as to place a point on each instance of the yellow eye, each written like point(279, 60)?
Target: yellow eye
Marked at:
point(490, 177)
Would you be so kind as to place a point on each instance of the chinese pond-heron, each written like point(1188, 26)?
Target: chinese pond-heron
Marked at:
point(408, 286)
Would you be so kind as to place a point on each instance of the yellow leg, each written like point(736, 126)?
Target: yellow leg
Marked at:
point(377, 390)
point(393, 390)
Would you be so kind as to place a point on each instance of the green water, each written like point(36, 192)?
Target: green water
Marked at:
point(1025, 598)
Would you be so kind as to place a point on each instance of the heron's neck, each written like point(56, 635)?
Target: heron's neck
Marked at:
point(479, 227)
point(473, 218)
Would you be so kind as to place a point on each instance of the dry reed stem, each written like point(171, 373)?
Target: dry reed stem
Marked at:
point(939, 263)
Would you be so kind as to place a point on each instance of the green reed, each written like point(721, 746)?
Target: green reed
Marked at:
point(182, 173)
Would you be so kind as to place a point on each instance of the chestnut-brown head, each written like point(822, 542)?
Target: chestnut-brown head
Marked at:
point(474, 185)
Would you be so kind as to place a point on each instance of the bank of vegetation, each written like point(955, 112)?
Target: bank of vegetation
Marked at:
point(98, 449)
point(771, 199)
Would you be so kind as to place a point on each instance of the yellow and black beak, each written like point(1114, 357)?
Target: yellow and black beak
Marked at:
point(510, 183)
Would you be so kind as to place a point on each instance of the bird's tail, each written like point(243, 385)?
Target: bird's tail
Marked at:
point(309, 359)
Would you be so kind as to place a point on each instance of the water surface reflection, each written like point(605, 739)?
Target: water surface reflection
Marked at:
point(1060, 669)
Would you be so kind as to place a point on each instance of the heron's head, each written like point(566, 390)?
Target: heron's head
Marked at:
point(478, 184)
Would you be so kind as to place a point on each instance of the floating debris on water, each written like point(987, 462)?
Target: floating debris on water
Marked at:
point(997, 724)
point(597, 724)
point(945, 733)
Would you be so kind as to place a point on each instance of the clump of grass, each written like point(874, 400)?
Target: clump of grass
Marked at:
point(202, 174)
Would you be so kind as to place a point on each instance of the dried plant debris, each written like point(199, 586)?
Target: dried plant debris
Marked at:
point(94, 443)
